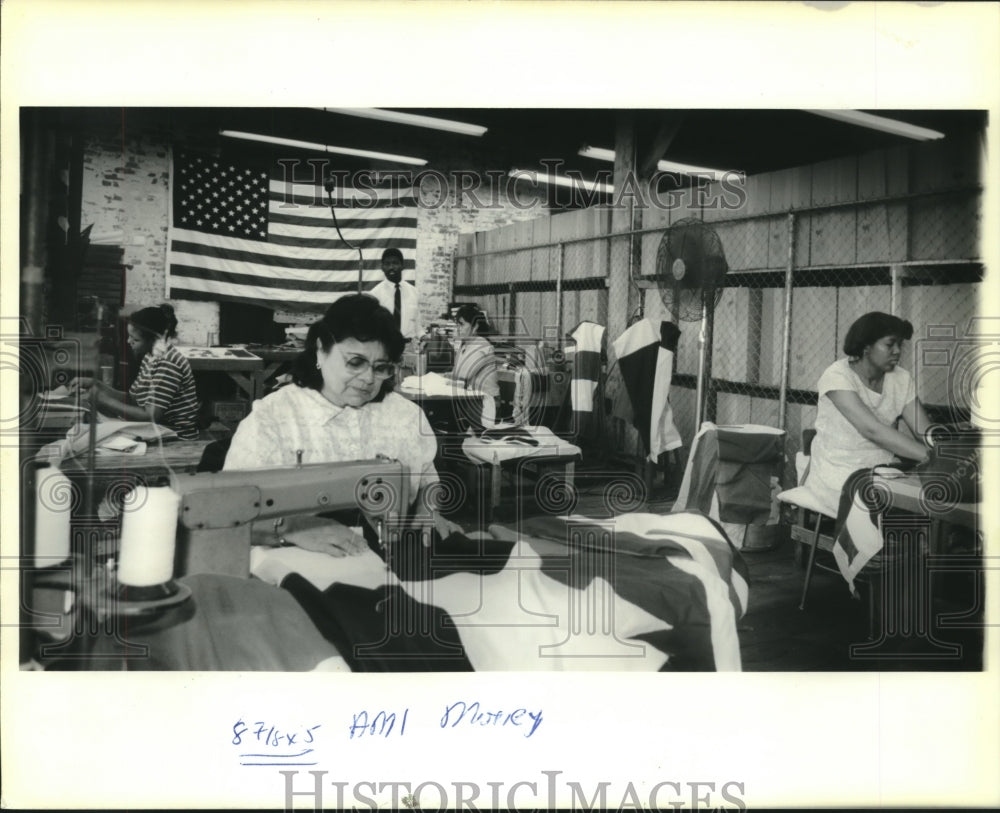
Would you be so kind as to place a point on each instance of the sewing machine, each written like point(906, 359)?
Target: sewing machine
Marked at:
point(217, 509)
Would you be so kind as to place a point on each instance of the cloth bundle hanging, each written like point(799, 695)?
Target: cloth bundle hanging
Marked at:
point(645, 354)
point(588, 337)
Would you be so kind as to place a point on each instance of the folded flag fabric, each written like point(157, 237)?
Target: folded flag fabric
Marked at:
point(645, 353)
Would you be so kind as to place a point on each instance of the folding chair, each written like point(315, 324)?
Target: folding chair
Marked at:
point(807, 532)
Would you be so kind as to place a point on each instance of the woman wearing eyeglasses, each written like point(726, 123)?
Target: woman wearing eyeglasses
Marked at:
point(340, 406)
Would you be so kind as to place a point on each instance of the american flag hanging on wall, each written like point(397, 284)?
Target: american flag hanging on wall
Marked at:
point(249, 234)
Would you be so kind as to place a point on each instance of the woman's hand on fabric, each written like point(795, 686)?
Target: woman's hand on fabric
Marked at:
point(317, 534)
point(445, 527)
point(338, 542)
point(81, 385)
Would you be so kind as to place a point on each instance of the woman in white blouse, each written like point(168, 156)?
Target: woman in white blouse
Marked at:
point(475, 362)
point(861, 398)
point(340, 407)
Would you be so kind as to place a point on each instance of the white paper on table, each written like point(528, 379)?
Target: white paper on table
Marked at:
point(435, 384)
point(121, 444)
point(60, 392)
point(485, 450)
point(79, 434)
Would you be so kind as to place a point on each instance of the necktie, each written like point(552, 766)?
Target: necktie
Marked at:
point(397, 306)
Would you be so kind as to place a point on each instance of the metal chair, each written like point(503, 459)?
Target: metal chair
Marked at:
point(806, 503)
point(810, 533)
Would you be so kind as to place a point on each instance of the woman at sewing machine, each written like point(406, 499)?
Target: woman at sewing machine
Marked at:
point(861, 398)
point(340, 407)
point(164, 390)
point(475, 361)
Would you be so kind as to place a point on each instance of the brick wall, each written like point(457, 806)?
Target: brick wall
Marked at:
point(438, 240)
point(125, 188)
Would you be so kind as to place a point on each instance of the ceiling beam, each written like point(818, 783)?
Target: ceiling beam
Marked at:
point(670, 125)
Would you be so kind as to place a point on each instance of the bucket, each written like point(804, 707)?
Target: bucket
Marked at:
point(764, 537)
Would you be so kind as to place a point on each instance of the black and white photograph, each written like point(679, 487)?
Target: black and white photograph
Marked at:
point(321, 409)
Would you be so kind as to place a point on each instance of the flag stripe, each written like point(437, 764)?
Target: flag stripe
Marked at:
point(215, 245)
point(343, 282)
point(309, 220)
point(250, 296)
point(360, 200)
point(187, 265)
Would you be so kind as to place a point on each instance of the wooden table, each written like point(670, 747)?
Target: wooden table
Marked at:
point(173, 456)
point(276, 358)
point(239, 364)
point(114, 475)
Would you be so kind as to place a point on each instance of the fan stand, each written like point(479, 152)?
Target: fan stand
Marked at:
point(705, 337)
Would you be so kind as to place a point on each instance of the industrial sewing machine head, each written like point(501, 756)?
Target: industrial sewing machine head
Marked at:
point(217, 509)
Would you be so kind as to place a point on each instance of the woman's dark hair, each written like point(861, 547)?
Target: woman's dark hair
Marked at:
point(155, 323)
point(475, 316)
point(871, 327)
point(357, 316)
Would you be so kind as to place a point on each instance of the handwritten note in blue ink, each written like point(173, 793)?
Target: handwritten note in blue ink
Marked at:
point(470, 714)
point(268, 744)
point(380, 724)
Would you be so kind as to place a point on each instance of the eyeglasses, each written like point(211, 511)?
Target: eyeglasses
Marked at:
point(357, 365)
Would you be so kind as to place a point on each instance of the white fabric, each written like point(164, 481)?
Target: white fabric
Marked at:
point(366, 570)
point(434, 384)
point(839, 449)
point(587, 337)
point(663, 434)
point(409, 320)
point(582, 394)
point(866, 538)
point(298, 418)
point(641, 334)
point(803, 497)
point(484, 450)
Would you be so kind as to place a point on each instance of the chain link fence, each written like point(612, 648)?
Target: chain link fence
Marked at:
point(797, 279)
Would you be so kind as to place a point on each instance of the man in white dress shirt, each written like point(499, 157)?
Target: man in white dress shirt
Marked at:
point(398, 297)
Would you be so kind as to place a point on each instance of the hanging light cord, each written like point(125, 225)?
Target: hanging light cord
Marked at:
point(333, 211)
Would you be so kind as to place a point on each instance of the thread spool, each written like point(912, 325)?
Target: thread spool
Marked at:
point(53, 507)
point(149, 530)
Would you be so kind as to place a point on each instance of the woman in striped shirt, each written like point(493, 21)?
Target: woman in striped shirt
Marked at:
point(164, 390)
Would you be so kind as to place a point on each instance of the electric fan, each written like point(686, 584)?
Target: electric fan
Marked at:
point(690, 273)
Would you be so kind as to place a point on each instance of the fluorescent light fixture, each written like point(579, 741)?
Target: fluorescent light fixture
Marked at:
point(561, 180)
point(308, 145)
point(882, 123)
point(411, 119)
point(602, 154)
